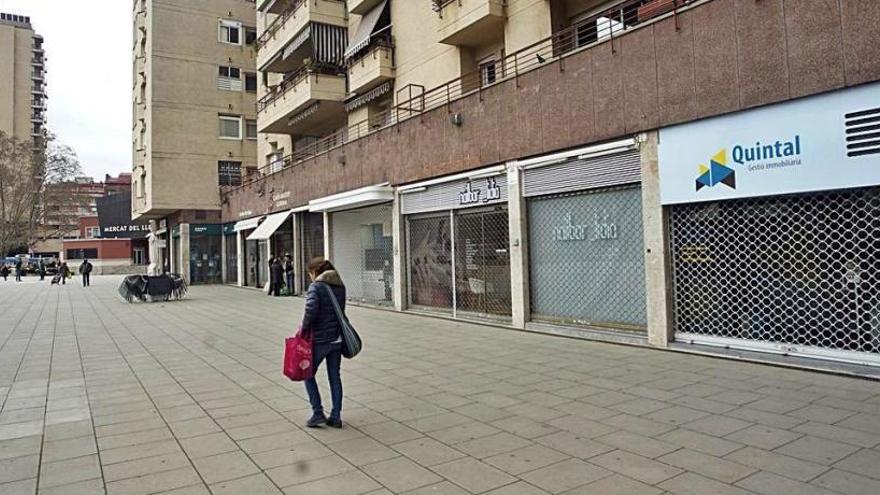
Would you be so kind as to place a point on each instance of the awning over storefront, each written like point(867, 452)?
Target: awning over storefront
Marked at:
point(247, 224)
point(369, 25)
point(358, 198)
point(269, 226)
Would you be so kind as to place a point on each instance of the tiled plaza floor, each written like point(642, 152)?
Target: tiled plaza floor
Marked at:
point(187, 398)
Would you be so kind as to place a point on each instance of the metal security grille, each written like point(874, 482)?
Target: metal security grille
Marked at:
point(482, 263)
point(429, 260)
point(586, 258)
point(460, 262)
point(799, 274)
point(362, 252)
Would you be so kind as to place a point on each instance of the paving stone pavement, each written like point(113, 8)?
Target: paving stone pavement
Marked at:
point(101, 396)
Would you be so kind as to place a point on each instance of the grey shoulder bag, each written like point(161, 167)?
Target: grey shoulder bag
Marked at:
point(351, 341)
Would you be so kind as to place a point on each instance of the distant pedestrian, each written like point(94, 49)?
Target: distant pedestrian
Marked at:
point(322, 325)
point(18, 270)
point(64, 272)
point(42, 269)
point(4, 272)
point(288, 273)
point(276, 277)
point(85, 269)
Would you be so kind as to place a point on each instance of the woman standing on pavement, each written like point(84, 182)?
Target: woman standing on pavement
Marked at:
point(321, 324)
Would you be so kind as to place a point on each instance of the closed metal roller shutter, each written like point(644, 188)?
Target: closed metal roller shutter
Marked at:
point(457, 194)
point(576, 175)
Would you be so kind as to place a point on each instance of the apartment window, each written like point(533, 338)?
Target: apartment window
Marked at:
point(230, 32)
point(488, 74)
point(93, 232)
point(229, 173)
point(250, 129)
point(230, 127)
point(250, 35)
point(229, 78)
point(250, 82)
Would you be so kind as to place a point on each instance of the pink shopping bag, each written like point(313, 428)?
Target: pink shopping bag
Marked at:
point(298, 357)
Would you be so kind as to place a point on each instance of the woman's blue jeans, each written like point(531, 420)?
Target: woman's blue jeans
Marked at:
point(332, 353)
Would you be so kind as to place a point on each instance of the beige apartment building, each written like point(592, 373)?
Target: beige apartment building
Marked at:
point(194, 120)
point(330, 67)
point(22, 78)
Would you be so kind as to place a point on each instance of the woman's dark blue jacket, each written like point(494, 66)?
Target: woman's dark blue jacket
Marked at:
point(320, 318)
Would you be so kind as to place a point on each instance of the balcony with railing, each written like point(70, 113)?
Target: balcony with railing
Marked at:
point(470, 22)
point(291, 28)
point(372, 66)
point(308, 101)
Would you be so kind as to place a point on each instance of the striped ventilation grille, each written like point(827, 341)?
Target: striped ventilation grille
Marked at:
point(863, 133)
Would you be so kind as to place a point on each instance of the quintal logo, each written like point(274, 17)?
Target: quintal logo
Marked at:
point(717, 172)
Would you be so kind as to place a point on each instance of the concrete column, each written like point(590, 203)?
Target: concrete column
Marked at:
point(328, 245)
point(519, 252)
point(297, 255)
point(172, 261)
point(222, 256)
point(398, 235)
point(657, 256)
point(239, 257)
point(184, 251)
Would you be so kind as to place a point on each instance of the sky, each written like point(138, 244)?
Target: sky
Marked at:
point(88, 47)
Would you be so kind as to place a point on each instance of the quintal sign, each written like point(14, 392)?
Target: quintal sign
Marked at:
point(829, 141)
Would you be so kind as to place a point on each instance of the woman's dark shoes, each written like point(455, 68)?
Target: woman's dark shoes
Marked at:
point(317, 420)
point(334, 422)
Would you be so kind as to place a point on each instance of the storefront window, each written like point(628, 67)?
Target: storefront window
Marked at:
point(482, 262)
point(312, 225)
point(204, 259)
point(362, 252)
point(231, 259)
point(481, 267)
point(430, 262)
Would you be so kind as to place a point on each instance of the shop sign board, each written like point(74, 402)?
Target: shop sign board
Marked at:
point(457, 194)
point(114, 218)
point(823, 142)
point(205, 229)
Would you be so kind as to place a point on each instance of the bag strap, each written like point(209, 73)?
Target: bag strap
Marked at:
point(339, 314)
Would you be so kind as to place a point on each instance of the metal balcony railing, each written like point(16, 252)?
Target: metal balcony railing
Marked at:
point(293, 79)
point(279, 21)
point(610, 23)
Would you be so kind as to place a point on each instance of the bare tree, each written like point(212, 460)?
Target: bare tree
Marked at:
point(32, 177)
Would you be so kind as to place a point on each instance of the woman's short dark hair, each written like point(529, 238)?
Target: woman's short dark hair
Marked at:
point(320, 265)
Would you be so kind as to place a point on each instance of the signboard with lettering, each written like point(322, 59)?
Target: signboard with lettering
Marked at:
point(114, 218)
point(457, 194)
point(205, 229)
point(822, 142)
